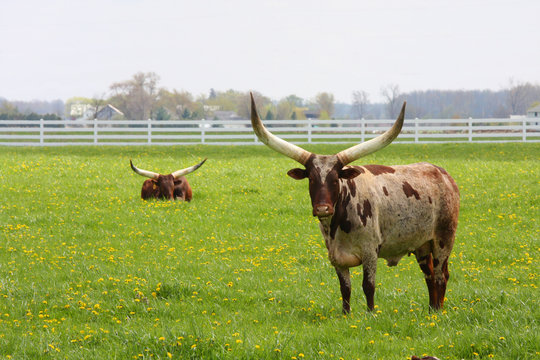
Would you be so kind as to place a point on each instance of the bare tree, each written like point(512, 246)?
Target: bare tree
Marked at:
point(520, 97)
point(391, 94)
point(144, 93)
point(176, 102)
point(244, 104)
point(97, 103)
point(137, 97)
point(286, 107)
point(325, 101)
point(360, 101)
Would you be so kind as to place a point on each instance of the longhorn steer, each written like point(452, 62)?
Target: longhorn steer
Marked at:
point(172, 186)
point(376, 211)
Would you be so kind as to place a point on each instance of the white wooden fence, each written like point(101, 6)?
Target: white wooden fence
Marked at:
point(239, 132)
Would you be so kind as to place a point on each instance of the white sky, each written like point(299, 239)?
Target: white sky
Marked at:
point(58, 49)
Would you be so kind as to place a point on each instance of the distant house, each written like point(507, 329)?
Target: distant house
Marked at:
point(312, 114)
point(210, 108)
point(109, 112)
point(226, 115)
point(534, 112)
point(80, 111)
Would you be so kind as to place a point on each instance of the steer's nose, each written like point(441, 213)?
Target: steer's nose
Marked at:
point(323, 210)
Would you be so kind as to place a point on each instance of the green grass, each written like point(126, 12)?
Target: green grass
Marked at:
point(90, 271)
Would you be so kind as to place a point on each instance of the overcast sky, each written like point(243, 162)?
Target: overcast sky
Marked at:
point(59, 49)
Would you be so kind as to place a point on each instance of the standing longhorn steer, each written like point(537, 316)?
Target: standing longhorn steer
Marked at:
point(173, 186)
point(376, 211)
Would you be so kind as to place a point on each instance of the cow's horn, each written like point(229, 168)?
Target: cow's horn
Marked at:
point(149, 174)
point(188, 170)
point(273, 142)
point(355, 152)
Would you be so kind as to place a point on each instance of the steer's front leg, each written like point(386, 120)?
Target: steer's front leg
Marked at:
point(345, 287)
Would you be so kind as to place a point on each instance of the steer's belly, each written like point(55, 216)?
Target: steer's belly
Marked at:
point(393, 250)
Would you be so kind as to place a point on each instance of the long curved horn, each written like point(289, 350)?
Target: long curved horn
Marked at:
point(149, 174)
point(188, 170)
point(273, 142)
point(355, 152)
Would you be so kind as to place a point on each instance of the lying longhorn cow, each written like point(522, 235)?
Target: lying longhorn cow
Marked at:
point(376, 211)
point(173, 186)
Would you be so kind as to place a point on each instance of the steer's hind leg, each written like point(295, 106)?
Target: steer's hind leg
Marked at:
point(425, 261)
point(441, 275)
point(345, 287)
point(369, 263)
point(442, 247)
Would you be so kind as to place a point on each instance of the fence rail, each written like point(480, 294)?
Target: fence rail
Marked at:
point(239, 132)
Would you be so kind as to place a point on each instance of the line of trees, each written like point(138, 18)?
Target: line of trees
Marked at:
point(9, 111)
point(515, 100)
point(141, 97)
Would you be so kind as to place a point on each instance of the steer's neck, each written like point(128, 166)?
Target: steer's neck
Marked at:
point(325, 224)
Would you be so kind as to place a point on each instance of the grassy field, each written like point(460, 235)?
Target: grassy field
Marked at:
point(90, 271)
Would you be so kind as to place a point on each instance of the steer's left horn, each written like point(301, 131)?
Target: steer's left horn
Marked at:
point(273, 142)
point(188, 170)
point(353, 153)
point(149, 174)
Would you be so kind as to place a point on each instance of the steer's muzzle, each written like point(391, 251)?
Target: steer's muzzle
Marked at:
point(323, 210)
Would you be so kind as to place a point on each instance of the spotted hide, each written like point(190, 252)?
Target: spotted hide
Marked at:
point(376, 211)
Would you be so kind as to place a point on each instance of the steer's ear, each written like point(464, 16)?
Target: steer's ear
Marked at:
point(297, 174)
point(349, 173)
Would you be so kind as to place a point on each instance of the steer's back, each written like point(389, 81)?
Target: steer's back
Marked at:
point(399, 208)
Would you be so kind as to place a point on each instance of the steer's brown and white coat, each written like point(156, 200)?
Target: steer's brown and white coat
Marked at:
point(376, 211)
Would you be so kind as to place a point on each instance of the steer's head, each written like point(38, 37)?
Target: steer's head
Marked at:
point(165, 183)
point(324, 171)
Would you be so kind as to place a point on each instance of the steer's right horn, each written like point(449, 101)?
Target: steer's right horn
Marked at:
point(273, 142)
point(188, 170)
point(148, 174)
point(355, 152)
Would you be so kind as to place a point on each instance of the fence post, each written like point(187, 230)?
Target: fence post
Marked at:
point(41, 132)
point(202, 131)
point(524, 129)
point(310, 125)
point(149, 131)
point(363, 129)
point(416, 130)
point(470, 129)
point(95, 131)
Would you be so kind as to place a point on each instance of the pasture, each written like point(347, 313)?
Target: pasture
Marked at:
point(90, 271)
